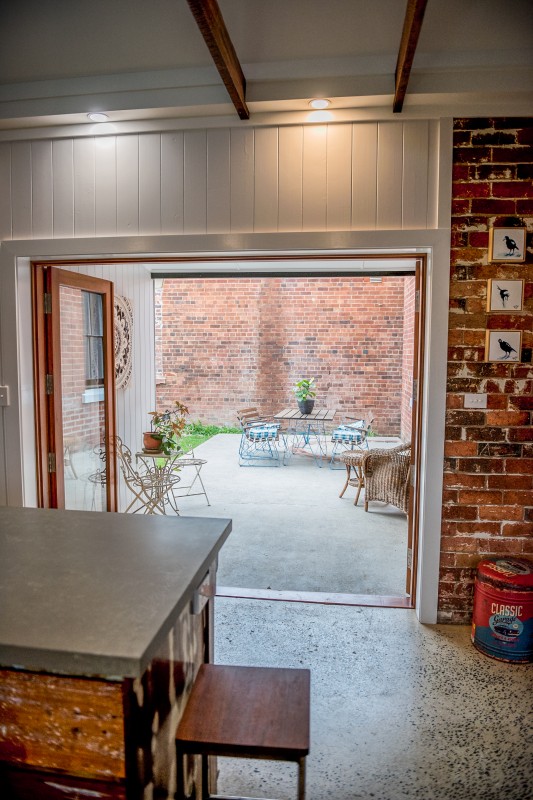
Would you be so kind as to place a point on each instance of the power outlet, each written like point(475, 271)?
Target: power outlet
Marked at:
point(475, 400)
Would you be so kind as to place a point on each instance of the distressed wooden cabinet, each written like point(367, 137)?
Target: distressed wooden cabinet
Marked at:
point(105, 621)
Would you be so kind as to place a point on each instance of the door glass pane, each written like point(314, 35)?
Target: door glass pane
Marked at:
point(82, 398)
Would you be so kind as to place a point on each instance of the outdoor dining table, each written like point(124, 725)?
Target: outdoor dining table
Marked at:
point(308, 431)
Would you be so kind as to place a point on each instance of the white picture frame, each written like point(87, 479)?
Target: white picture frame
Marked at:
point(508, 245)
point(503, 346)
point(505, 296)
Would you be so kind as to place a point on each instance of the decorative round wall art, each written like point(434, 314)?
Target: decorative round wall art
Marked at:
point(123, 341)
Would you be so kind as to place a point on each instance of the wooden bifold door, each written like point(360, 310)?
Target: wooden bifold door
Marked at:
point(75, 390)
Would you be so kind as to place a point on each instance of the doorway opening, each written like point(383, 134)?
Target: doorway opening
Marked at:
point(228, 341)
point(393, 269)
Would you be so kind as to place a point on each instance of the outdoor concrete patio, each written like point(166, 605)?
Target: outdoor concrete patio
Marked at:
point(291, 531)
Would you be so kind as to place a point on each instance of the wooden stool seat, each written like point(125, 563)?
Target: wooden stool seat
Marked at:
point(247, 712)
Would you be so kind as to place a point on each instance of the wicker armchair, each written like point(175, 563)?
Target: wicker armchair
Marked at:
point(386, 476)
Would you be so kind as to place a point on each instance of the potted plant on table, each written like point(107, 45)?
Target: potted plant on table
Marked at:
point(166, 428)
point(305, 394)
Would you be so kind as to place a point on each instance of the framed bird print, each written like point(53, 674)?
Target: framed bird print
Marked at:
point(504, 346)
point(507, 244)
point(505, 295)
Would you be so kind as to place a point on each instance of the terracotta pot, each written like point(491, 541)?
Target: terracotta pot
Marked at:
point(151, 441)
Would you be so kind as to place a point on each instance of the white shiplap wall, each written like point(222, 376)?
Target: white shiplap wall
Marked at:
point(133, 403)
point(348, 176)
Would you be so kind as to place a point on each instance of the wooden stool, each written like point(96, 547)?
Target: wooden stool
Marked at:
point(247, 712)
point(353, 459)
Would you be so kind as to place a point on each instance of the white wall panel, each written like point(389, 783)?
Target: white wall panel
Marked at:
point(63, 188)
point(105, 185)
point(359, 176)
point(364, 176)
point(21, 190)
point(195, 182)
point(242, 144)
point(218, 181)
point(266, 180)
point(172, 182)
point(128, 185)
point(42, 199)
point(415, 174)
point(389, 176)
point(339, 178)
point(150, 183)
point(290, 178)
point(314, 178)
point(84, 189)
point(5, 191)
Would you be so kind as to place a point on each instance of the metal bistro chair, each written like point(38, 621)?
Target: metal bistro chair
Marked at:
point(350, 436)
point(259, 440)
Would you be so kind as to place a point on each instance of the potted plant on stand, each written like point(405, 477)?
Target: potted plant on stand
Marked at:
point(305, 394)
point(166, 428)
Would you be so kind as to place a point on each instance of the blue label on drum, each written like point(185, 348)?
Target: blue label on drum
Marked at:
point(505, 627)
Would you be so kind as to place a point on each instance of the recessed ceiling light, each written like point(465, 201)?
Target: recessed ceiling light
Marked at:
point(320, 102)
point(98, 117)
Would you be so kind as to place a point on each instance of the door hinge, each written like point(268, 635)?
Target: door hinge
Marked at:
point(49, 384)
point(47, 303)
point(415, 387)
point(51, 462)
point(417, 300)
point(412, 476)
point(409, 558)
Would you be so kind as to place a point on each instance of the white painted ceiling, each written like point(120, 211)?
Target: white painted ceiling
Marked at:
point(146, 60)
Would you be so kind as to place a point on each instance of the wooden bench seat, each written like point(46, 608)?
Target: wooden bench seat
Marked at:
point(247, 712)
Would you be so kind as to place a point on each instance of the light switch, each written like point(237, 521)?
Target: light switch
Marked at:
point(478, 400)
point(4, 395)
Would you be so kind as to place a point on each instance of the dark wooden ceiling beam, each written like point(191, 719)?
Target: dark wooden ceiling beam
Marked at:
point(213, 28)
point(414, 15)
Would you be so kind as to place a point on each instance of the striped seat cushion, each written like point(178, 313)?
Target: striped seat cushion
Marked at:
point(262, 432)
point(347, 433)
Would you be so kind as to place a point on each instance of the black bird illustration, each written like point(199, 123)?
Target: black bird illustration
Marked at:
point(504, 295)
point(506, 347)
point(511, 245)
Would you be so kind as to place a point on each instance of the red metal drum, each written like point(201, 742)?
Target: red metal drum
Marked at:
point(502, 622)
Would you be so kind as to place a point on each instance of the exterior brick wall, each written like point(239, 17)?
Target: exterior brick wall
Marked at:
point(488, 480)
point(230, 343)
point(81, 420)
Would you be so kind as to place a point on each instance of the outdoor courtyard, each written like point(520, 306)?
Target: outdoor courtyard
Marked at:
point(292, 532)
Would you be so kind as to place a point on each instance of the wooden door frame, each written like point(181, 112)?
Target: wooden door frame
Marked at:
point(46, 281)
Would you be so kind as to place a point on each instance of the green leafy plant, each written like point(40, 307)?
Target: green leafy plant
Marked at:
point(167, 426)
point(304, 389)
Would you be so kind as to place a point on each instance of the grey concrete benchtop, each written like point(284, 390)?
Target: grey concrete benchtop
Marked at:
point(95, 594)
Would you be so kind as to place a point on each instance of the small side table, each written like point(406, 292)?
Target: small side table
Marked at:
point(353, 459)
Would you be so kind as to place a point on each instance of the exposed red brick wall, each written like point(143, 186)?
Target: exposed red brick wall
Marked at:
point(488, 480)
point(236, 342)
point(80, 420)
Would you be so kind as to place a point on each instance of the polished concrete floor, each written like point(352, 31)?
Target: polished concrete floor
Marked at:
point(291, 531)
point(399, 710)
